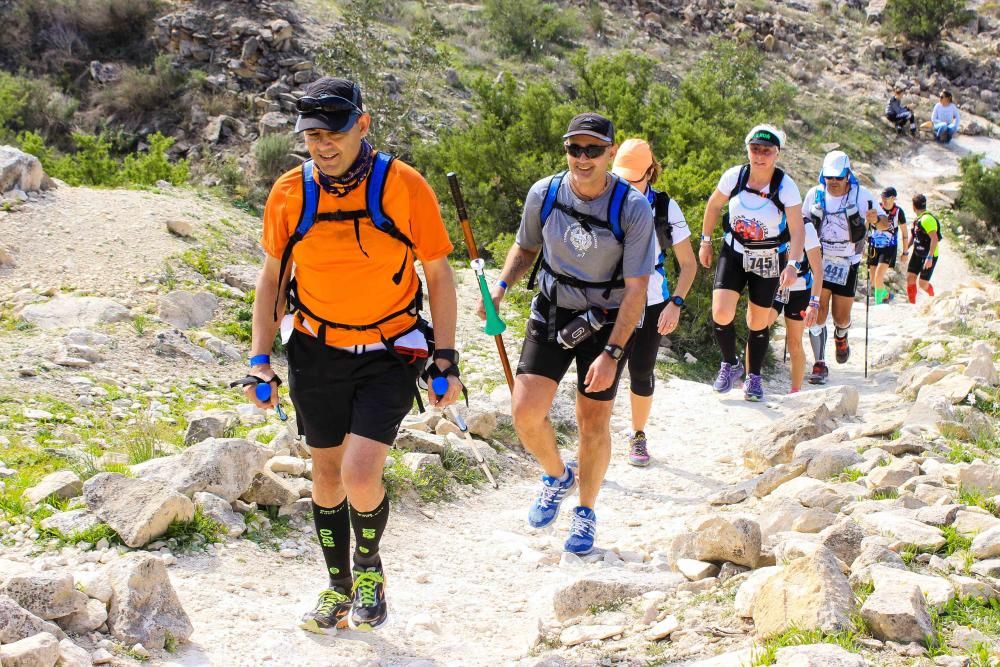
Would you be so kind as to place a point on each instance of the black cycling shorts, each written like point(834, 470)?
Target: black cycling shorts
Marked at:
point(645, 346)
point(540, 356)
point(849, 287)
point(730, 275)
point(798, 301)
point(916, 265)
point(884, 255)
point(336, 392)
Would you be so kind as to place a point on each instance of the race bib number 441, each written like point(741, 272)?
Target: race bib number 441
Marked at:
point(764, 263)
point(836, 270)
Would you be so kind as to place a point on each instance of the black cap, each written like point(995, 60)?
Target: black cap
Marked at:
point(593, 125)
point(329, 104)
point(765, 137)
point(889, 192)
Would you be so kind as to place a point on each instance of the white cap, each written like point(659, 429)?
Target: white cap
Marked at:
point(836, 164)
point(767, 135)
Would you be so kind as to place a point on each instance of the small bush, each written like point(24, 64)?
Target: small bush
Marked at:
point(272, 155)
point(528, 27)
point(980, 193)
point(141, 92)
point(32, 105)
point(923, 21)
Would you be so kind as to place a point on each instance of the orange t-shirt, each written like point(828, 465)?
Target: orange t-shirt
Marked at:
point(335, 280)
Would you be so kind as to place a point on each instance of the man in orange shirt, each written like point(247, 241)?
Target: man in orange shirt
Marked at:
point(341, 234)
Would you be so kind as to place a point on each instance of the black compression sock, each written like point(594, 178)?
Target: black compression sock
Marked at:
point(725, 334)
point(333, 529)
point(756, 349)
point(368, 529)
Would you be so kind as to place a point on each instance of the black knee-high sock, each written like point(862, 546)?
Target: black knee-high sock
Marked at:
point(756, 349)
point(725, 334)
point(368, 529)
point(333, 530)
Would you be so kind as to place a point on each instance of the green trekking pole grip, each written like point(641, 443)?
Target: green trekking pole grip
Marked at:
point(494, 325)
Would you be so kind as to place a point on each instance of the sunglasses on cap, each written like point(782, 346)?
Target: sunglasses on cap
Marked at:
point(836, 178)
point(592, 151)
point(325, 104)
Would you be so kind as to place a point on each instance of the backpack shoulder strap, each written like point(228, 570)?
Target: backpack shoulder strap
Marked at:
point(374, 190)
point(741, 181)
point(774, 189)
point(310, 199)
point(615, 207)
point(551, 194)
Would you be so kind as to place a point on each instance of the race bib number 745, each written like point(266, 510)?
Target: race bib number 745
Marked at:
point(764, 263)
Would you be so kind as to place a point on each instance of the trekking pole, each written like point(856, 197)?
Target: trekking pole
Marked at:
point(494, 325)
point(440, 387)
point(868, 298)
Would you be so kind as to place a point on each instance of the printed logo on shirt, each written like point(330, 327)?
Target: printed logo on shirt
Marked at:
point(750, 229)
point(581, 239)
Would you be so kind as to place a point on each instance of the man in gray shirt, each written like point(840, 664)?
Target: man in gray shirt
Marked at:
point(595, 234)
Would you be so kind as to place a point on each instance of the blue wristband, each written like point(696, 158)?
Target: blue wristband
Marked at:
point(502, 283)
point(259, 359)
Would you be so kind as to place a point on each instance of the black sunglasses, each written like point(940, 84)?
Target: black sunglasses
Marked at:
point(836, 178)
point(326, 104)
point(576, 150)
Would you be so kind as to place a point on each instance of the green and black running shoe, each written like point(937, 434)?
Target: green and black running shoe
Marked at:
point(330, 612)
point(369, 609)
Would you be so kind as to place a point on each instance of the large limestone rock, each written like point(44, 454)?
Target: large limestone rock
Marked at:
point(936, 590)
point(270, 489)
point(746, 594)
point(844, 539)
point(895, 474)
point(774, 477)
point(873, 552)
point(903, 529)
point(832, 460)
point(811, 492)
point(898, 613)
point(61, 484)
point(71, 522)
point(987, 544)
point(187, 310)
point(818, 655)
point(981, 365)
point(776, 442)
point(204, 424)
point(954, 387)
point(223, 467)
point(17, 623)
point(982, 476)
point(71, 655)
point(221, 511)
point(810, 593)
point(841, 401)
point(64, 312)
point(45, 594)
point(41, 650)
point(92, 616)
point(917, 376)
point(20, 171)
point(138, 510)
point(144, 606)
point(719, 539)
point(606, 586)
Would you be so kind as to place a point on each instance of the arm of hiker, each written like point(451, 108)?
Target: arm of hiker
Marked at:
point(444, 313)
point(671, 314)
point(815, 256)
point(904, 231)
point(712, 212)
point(601, 373)
point(264, 327)
point(935, 238)
point(793, 216)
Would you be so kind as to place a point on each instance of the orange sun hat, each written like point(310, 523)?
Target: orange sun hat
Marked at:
point(633, 160)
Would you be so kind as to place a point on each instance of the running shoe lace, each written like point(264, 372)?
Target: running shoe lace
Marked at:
point(365, 582)
point(549, 495)
point(754, 384)
point(639, 447)
point(724, 372)
point(582, 527)
point(328, 600)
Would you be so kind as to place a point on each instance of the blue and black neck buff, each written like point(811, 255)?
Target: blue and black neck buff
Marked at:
point(341, 186)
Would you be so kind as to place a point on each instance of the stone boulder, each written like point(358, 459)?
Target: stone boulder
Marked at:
point(204, 424)
point(873, 552)
point(71, 522)
point(241, 276)
point(903, 529)
point(41, 650)
point(17, 623)
point(173, 343)
point(270, 489)
point(91, 617)
point(144, 606)
point(138, 510)
point(775, 443)
point(810, 593)
point(71, 655)
point(605, 586)
point(936, 590)
point(187, 310)
point(817, 655)
point(746, 594)
point(220, 510)
point(980, 476)
point(844, 539)
point(222, 466)
point(841, 401)
point(895, 474)
point(61, 484)
point(63, 312)
point(898, 613)
point(774, 477)
point(981, 365)
point(45, 594)
point(718, 539)
point(20, 171)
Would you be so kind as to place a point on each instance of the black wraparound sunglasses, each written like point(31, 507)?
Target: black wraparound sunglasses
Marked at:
point(576, 150)
point(325, 103)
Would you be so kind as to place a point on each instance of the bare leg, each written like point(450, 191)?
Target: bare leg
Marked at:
point(594, 420)
point(531, 402)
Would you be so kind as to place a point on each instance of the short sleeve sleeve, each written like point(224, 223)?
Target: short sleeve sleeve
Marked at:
point(679, 230)
point(529, 233)
point(429, 234)
point(729, 180)
point(812, 238)
point(789, 193)
point(281, 212)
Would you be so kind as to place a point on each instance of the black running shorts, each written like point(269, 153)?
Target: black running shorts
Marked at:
point(916, 265)
point(798, 301)
point(336, 392)
point(886, 255)
point(730, 275)
point(849, 287)
point(645, 346)
point(540, 356)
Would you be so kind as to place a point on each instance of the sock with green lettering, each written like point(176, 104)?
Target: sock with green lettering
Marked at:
point(333, 530)
point(368, 529)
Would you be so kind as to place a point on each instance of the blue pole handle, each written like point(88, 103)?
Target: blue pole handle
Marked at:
point(263, 392)
point(440, 386)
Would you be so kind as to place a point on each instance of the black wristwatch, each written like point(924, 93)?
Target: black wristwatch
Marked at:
point(447, 355)
point(677, 300)
point(614, 351)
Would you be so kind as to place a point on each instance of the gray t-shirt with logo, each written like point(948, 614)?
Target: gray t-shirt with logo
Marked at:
point(592, 255)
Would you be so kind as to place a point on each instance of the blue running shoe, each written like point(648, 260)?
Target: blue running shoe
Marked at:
point(546, 507)
point(582, 531)
point(728, 373)
point(753, 388)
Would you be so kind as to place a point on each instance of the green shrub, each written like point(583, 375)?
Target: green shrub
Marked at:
point(272, 155)
point(980, 192)
point(144, 91)
point(923, 21)
point(32, 105)
point(528, 27)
